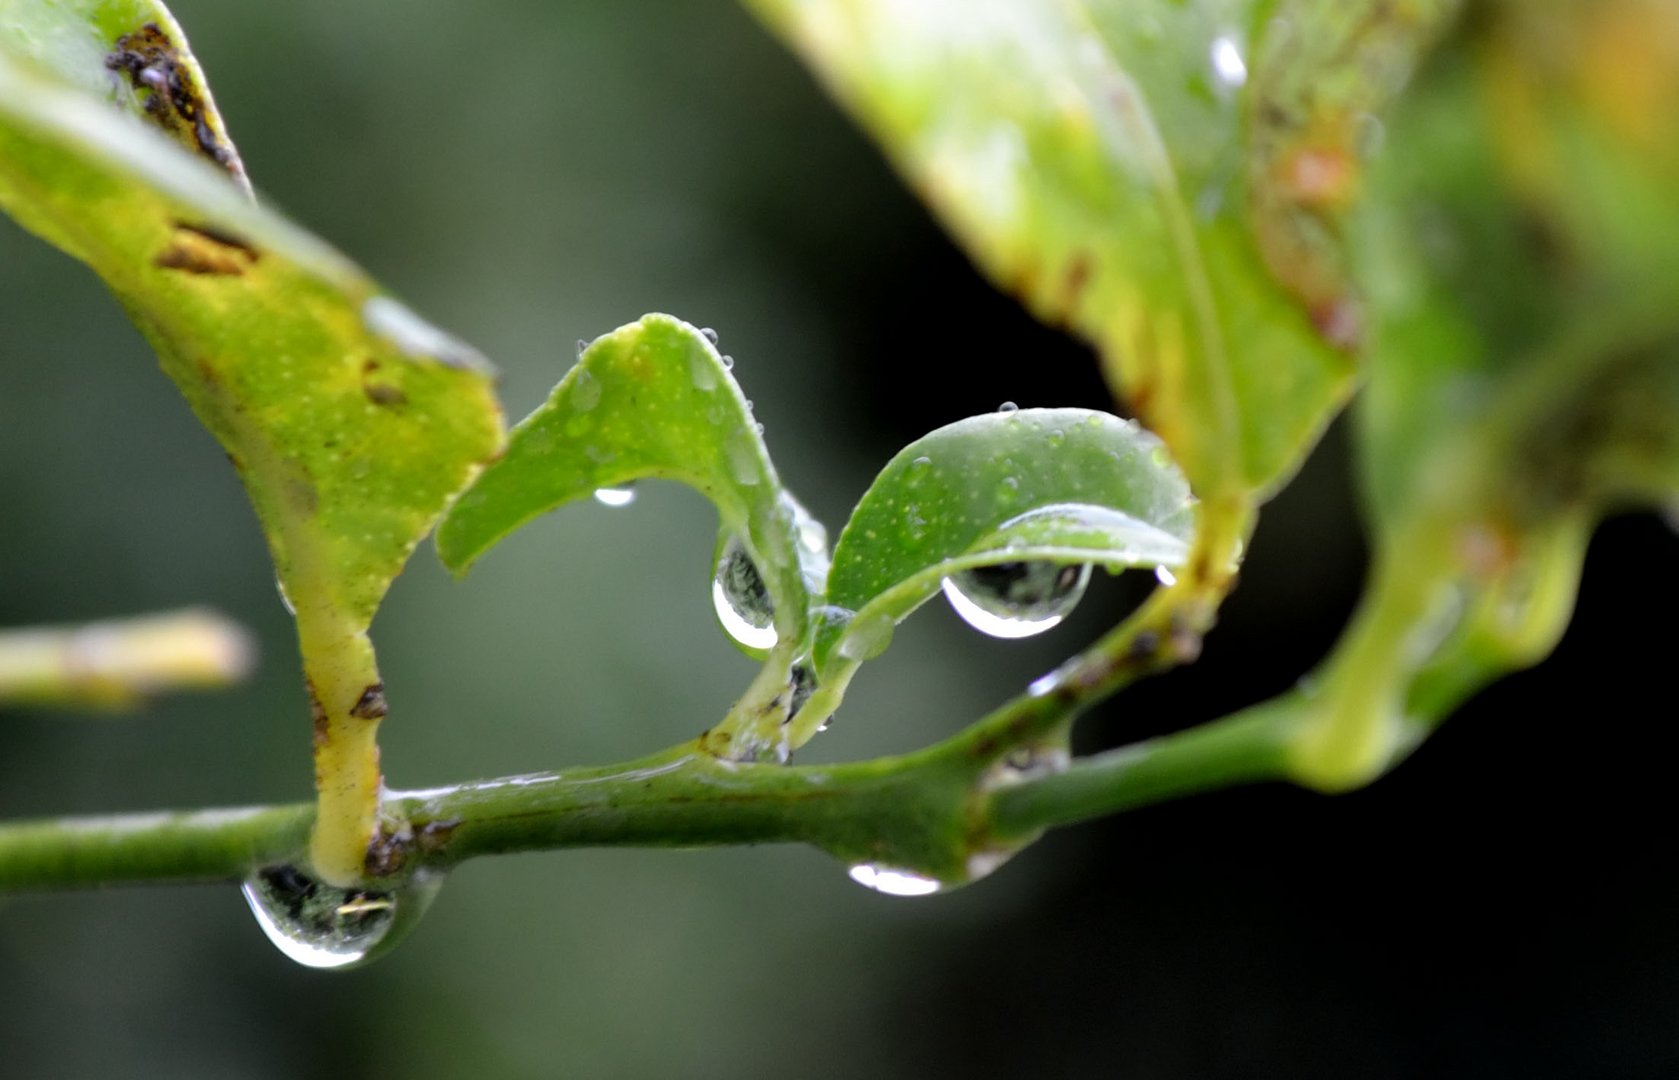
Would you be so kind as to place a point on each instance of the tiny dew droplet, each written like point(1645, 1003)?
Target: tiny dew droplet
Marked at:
point(1008, 407)
point(892, 881)
point(615, 496)
point(710, 334)
point(1228, 65)
point(321, 926)
point(1165, 576)
point(585, 391)
point(742, 600)
point(1016, 599)
point(728, 363)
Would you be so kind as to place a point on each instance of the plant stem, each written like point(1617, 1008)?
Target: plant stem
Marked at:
point(1246, 747)
point(116, 663)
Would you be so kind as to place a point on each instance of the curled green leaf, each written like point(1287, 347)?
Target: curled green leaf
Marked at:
point(654, 400)
point(1016, 489)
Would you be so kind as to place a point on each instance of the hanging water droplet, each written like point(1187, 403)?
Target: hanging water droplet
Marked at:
point(321, 926)
point(1016, 599)
point(585, 390)
point(1228, 65)
point(710, 334)
point(742, 599)
point(285, 600)
point(892, 881)
point(1008, 407)
point(1165, 576)
point(615, 496)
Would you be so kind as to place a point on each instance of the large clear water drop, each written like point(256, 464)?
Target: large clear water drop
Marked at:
point(893, 881)
point(1016, 599)
point(322, 926)
point(742, 599)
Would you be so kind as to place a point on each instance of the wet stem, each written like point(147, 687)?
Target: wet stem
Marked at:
point(932, 811)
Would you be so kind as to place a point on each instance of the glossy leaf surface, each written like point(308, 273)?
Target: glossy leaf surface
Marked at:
point(1052, 485)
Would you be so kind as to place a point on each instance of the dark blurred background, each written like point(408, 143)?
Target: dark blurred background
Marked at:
point(527, 174)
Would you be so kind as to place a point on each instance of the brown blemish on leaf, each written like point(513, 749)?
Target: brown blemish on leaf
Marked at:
point(200, 249)
point(371, 705)
point(174, 99)
point(382, 394)
point(1080, 268)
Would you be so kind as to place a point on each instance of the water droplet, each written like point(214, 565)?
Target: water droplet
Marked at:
point(413, 336)
point(742, 599)
point(1228, 65)
point(743, 461)
point(728, 363)
point(1165, 576)
point(866, 639)
point(1008, 407)
point(702, 370)
point(285, 600)
point(922, 462)
point(321, 926)
point(892, 881)
point(615, 496)
point(585, 390)
point(710, 334)
point(1016, 599)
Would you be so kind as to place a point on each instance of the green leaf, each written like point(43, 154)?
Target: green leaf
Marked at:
point(1035, 485)
point(131, 52)
point(651, 400)
point(351, 421)
point(1116, 164)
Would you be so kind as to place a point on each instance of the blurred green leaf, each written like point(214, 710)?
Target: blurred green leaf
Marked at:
point(1056, 486)
point(1517, 247)
point(651, 400)
point(1138, 172)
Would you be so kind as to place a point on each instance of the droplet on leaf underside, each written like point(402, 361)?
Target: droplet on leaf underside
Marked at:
point(322, 926)
point(1016, 599)
point(893, 881)
point(742, 600)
